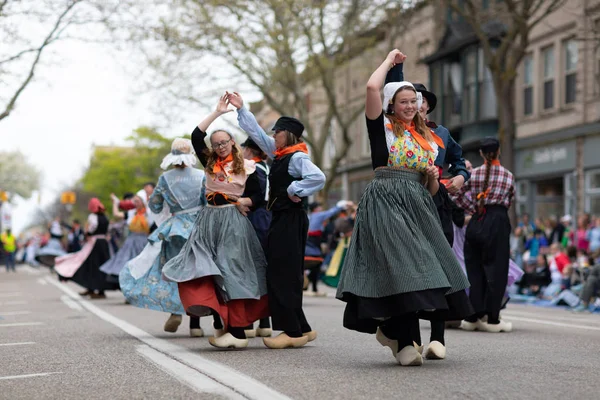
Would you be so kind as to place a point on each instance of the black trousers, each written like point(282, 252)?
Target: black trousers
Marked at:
point(285, 271)
point(487, 252)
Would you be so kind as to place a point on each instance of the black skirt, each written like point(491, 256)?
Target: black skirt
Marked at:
point(89, 275)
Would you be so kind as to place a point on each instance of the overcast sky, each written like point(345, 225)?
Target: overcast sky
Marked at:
point(85, 99)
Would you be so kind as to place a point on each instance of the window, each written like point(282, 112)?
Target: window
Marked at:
point(436, 87)
point(470, 88)
point(452, 75)
point(528, 85)
point(548, 57)
point(488, 102)
point(592, 192)
point(597, 51)
point(570, 47)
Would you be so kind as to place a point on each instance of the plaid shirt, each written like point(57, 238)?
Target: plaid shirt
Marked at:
point(501, 189)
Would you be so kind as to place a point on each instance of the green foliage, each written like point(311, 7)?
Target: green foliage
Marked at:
point(125, 169)
point(17, 175)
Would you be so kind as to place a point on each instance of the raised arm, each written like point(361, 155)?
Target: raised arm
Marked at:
point(199, 132)
point(249, 124)
point(373, 105)
point(396, 74)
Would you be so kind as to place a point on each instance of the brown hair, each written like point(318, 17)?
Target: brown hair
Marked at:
point(258, 153)
point(398, 125)
point(238, 158)
point(489, 157)
point(291, 139)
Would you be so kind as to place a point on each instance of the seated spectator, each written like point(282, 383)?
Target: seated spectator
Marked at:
point(537, 276)
point(537, 244)
point(591, 286)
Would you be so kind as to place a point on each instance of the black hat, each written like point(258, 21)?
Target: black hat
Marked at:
point(289, 124)
point(431, 98)
point(489, 145)
point(251, 144)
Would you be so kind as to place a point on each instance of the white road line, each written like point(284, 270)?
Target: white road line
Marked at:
point(41, 281)
point(3, 313)
point(567, 317)
point(30, 270)
point(229, 377)
point(552, 323)
point(28, 375)
point(13, 303)
point(12, 294)
point(72, 304)
point(16, 344)
point(186, 375)
point(21, 324)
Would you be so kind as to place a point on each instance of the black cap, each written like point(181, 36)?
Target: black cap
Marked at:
point(313, 206)
point(489, 145)
point(289, 124)
point(251, 144)
point(431, 98)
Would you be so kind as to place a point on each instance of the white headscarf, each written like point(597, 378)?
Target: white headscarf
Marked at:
point(182, 152)
point(390, 90)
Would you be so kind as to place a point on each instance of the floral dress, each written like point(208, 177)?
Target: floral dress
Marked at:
point(406, 152)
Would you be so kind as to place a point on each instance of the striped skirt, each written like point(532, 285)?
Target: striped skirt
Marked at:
point(399, 261)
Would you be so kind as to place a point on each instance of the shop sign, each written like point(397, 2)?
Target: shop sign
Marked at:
point(546, 160)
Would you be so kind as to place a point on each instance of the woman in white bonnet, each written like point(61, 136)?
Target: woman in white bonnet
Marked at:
point(180, 195)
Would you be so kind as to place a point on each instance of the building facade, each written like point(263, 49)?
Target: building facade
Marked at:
point(557, 148)
point(557, 100)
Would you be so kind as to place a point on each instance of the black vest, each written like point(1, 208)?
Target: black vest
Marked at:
point(102, 227)
point(279, 181)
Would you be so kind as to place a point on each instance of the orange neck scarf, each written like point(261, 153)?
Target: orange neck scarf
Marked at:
point(291, 149)
point(257, 159)
point(221, 163)
point(496, 163)
point(420, 139)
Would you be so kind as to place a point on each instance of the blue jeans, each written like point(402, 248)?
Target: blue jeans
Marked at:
point(10, 261)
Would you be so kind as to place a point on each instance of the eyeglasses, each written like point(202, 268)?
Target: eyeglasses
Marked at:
point(220, 145)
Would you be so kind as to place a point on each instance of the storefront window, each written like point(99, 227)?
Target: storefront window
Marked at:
point(549, 198)
point(592, 192)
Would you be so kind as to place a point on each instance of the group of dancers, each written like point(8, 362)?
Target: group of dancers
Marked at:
point(231, 240)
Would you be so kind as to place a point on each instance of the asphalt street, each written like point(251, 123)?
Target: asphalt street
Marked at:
point(56, 345)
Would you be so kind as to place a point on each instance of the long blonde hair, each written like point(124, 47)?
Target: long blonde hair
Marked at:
point(238, 158)
point(398, 126)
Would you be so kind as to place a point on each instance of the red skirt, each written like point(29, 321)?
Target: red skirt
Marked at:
point(199, 294)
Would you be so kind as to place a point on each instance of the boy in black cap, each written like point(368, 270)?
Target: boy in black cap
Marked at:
point(254, 206)
point(292, 179)
point(487, 196)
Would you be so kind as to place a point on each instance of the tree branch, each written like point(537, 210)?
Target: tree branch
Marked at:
point(48, 40)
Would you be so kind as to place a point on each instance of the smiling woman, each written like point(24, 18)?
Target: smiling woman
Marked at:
point(221, 270)
point(399, 268)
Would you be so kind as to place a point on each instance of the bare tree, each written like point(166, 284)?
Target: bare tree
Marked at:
point(286, 50)
point(503, 29)
point(28, 28)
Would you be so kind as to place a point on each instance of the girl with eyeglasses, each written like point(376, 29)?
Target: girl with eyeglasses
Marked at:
point(221, 270)
point(292, 179)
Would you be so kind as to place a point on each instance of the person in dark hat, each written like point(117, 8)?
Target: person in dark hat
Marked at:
point(487, 196)
point(253, 204)
point(292, 179)
point(450, 154)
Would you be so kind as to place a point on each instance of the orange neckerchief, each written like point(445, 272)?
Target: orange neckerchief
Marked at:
point(291, 149)
point(420, 139)
point(139, 223)
point(257, 159)
point(220, 164)
point(496, 163)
